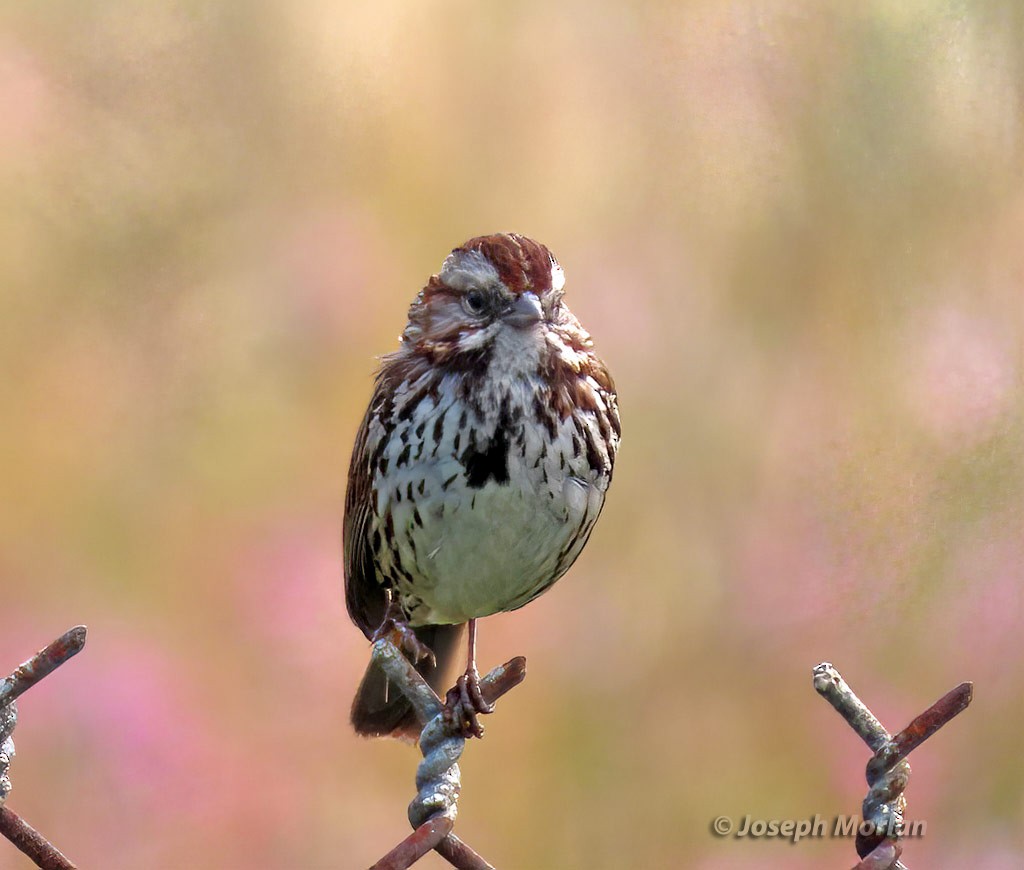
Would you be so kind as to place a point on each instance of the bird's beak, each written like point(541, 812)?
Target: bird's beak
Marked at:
point(525, 311)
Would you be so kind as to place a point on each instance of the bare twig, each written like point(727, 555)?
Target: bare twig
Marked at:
point(40, 850)
point(432, 813)
point(888, 770)
point(43, 663)
point(829, 683)
point(425, 838)
point(25, 676)
point(924, 726)
point(460, 855)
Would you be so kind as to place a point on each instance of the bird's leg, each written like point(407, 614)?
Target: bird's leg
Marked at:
point(395, 627)
point(464, 701)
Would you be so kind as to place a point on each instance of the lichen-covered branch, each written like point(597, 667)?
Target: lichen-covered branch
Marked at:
point(888, 770)
point(432, 812)
point(25, 676)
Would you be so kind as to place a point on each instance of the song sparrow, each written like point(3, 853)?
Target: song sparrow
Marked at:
point(480, 467)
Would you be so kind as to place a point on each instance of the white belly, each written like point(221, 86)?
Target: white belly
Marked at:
point(493, 556)
point(477, 552)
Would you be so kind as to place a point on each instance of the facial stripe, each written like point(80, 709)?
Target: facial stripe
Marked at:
point(463, 269)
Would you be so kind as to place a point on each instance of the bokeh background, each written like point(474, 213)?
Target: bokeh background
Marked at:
point(794, 229)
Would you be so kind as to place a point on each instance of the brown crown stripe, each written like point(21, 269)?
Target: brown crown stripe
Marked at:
point(522, 264)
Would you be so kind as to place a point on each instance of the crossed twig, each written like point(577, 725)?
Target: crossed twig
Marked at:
point(433, 810)
point(12, 826)
point(888, 770)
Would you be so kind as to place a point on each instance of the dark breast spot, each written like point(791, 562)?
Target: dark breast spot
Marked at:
point(545, 417)
point(439, 427)
point(489, 463)
point(594, 458)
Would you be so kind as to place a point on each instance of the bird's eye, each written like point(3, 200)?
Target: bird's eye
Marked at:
point(474, 302)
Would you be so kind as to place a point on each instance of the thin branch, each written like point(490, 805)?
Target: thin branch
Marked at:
point(403, 674)
point(424, 839)
point(887, 771)
point(45, 855)
point(503, 679)
point(42, 664)
point(432, 812)
point(829, 683)
point(25, 676)
point(925, 725)
point(458, 854)
point(423, 698)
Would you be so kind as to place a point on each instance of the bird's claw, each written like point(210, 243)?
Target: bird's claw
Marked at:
point(395, 628)
point(464, 703)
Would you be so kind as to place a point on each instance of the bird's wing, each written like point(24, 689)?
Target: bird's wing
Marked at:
point(365, 596)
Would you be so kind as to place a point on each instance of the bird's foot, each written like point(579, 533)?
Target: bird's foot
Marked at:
point(395, 627)
point(464, 703)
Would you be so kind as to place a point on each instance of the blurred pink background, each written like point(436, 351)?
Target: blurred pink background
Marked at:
point(794, 230)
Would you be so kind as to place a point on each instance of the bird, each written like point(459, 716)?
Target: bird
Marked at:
point(478, 471)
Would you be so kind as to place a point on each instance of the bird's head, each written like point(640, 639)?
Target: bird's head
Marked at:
point(498, 295)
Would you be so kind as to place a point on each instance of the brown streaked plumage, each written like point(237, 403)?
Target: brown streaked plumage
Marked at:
point(480, 467)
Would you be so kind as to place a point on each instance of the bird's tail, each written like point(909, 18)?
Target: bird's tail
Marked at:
point(381, 710)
